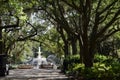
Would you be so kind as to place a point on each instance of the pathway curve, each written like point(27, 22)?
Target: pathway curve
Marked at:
point(35, 74)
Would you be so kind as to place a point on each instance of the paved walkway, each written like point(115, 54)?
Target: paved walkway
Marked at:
point(35, 74)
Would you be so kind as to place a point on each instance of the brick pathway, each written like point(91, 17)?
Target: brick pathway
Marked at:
point(35, 74)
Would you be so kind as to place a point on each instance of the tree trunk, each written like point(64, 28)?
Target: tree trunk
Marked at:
point(66, 48)
point(2, 57)
point(88, 58)
point(87, 52)
point(88, 55)
point(81, 53)
point(81, 50)
point(0, 41)
point(74, 46)
point(65, 40)
point(1, 37)
point(2, 65)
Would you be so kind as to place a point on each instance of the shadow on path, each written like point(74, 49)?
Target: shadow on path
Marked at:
point(35, 74)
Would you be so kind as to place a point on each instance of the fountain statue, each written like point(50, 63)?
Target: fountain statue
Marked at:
point(39, 60)
point(39, 53)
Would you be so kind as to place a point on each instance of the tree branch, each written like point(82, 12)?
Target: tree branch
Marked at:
point(29, 36)
point(107, 7)
point(109, 23)
point(105, 17)
point(71, 5)
point(108, 35)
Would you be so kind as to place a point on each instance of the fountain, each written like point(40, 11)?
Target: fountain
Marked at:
point(39, 60)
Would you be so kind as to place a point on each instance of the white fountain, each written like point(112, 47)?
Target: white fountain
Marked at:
point(39, 52)
point(40, 60)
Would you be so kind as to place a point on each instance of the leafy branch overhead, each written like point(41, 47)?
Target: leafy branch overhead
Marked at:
point(90, 21)
point(11, 26)
point(12, 23)
point(30, 34)
point(87, 22)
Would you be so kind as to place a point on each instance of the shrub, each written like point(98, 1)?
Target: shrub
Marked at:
point(105, 68)
point(100, 58)
point(70, 62)
point(13, 66)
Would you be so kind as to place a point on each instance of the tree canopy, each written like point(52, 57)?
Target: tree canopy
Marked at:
point(87, 22)
point(91, 22)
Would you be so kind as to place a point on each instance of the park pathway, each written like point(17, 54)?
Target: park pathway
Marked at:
point(35, 74)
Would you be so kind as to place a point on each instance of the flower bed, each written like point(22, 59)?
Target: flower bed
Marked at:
point(47, 66)
point(25, 67)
